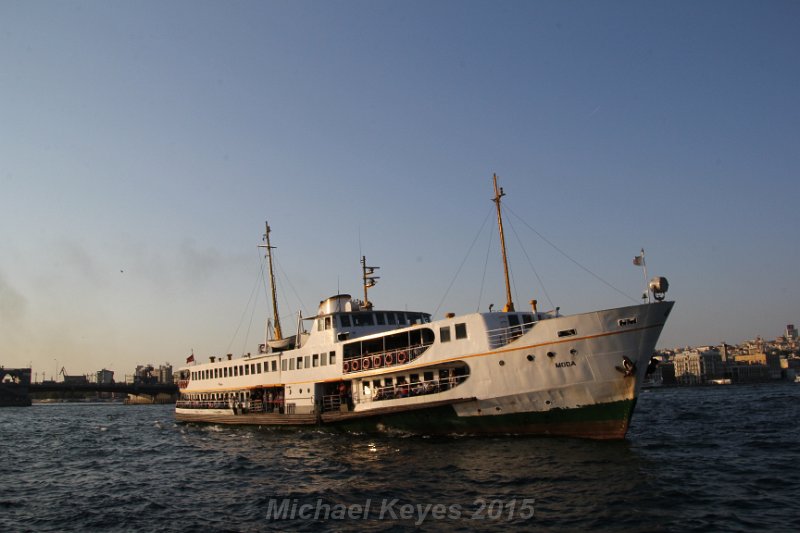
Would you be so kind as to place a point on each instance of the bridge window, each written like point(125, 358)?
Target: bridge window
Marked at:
point(315, 361)
point(274, 366)
point(444, 334)
point(363, 319)
point(345, 320)
point(381, 318)
point(327, 322)
point(391, 319)
point(461, 331)
point(333, 358)
point(283, 365)
point(299, 363)
point(241, 373)
point(324, 359)
point(291, 364)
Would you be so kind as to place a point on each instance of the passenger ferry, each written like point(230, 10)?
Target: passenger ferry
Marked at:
point(505, 372)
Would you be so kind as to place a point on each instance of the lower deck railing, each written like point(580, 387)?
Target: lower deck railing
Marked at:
point(418, 388)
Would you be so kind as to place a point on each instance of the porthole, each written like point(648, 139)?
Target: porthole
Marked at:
point(530, 358)
point(551, 354)
point(573, 351)
point(502, 363)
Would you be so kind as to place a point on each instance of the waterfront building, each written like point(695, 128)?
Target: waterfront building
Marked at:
point(667, 373)
point(749, 373)
point(698, 366)
point(771, 361)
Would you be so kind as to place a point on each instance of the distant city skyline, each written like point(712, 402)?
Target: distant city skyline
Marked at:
point(143, 145)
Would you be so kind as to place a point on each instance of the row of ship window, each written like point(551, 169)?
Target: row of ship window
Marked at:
point(308, 361)
point(376, 318)
point(295, 363)
point(235, 370)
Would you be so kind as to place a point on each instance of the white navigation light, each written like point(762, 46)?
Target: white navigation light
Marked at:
point(659, 287)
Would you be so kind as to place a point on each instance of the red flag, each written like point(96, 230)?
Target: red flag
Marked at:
point(638, 260)
point(190, 359)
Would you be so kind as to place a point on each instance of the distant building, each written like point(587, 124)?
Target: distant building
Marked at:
point(75, 380)
point(165, 373)
point(105, 377)
point(791, 332)
point(725, 354)
point(697, 366)
point(145, 375)
point(758, 358)
point(149, 375)
point(749, 373)
point(770, 361)
point(667, 371)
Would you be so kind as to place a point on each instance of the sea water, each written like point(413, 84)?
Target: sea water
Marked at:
point(695, 459)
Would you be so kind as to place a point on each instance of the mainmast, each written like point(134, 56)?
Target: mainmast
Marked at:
point(276, 318)
point(498, 193)
point(369, 279)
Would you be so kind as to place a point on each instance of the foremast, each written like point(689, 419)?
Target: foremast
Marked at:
point(278, 335)
point(498, 193)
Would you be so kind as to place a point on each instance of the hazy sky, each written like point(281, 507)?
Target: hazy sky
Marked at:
point(144, 143)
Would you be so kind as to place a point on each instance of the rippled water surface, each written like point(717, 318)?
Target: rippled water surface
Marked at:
point(699, 459)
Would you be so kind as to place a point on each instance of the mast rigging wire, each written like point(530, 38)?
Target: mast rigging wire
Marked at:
point(462, 262)
point(559, 250)
point(244, 312)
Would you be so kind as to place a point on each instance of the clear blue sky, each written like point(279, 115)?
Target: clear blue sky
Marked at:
point(143, 145)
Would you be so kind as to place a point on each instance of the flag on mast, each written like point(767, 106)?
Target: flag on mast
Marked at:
point(638, 260)
point(190, 359)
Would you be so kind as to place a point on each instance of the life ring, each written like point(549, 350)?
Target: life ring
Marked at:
point(354, 365)
point(389, 359)
point(347, 366)
point(376, 361)
point(365, 364)
point(401, 357)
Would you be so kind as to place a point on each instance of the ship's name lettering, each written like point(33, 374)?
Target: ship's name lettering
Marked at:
point(564, 364)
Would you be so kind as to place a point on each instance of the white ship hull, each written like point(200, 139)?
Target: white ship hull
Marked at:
point(574, 375)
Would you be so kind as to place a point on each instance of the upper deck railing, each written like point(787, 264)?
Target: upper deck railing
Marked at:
point(383, 359)
point(502, 336)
